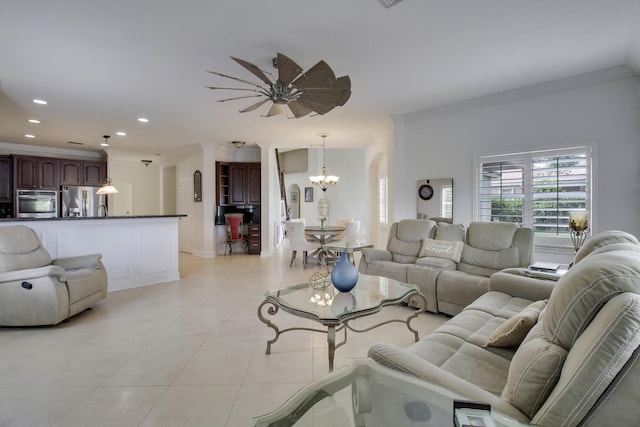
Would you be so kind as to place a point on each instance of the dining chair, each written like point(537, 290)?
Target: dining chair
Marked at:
point(298, 242)
point(351, 231)
point(235, 226)
point(342, 222)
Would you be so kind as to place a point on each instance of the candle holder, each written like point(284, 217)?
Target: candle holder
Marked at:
point(578, 228)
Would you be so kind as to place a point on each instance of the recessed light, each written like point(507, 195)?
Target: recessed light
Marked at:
point(143, 120)
point(36, 121)
point(28, 135)
point(40, 101)
point(121, 133)
point(104, 144)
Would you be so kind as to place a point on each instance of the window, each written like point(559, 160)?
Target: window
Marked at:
point(383, 184)
point(535, 189)
point(446, 198)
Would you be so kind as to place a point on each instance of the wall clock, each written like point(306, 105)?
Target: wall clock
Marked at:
point(425, 192)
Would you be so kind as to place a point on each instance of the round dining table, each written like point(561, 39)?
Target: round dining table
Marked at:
point(323, 234)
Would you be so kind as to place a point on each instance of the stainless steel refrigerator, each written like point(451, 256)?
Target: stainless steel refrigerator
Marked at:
point(81, 201)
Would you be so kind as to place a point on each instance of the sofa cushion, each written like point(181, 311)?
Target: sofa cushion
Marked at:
point(21, 250)
point(403, 251)
point(441, 249)
point(533, 372)
point(436, 263)
point(414, 230)
point(490, 259)
point(452, 232)
point(513, 330)
point(492, 236)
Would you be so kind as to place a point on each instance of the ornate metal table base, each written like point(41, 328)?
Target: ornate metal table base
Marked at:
point(333, 326)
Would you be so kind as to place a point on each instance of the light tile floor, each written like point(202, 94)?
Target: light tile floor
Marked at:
point(183, 353)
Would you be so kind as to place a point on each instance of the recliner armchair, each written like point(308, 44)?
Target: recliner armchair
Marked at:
point(36, 290)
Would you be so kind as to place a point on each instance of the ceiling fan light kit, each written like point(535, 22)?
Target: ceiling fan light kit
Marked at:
point(314, 91)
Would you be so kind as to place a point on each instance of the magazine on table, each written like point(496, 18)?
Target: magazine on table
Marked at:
point(472, 414)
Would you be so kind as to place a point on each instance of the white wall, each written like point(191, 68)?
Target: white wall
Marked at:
point(348, 198)
point(144, 181)
point(585, 110)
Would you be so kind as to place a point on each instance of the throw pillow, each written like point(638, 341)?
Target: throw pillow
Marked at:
point(442, 249)
point(533, 372)
point(513, 330)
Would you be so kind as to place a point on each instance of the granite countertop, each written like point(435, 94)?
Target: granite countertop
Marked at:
point(76, 218)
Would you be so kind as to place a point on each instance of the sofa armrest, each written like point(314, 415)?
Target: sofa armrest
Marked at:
point(512, 281)
point(80, 261)
point(34, 273)
point(373, 254)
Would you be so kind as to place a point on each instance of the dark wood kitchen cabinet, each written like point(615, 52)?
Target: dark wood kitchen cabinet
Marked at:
point(6, 179)
point(36, 172)
point(238, 183)
point(253, 195)
point(82, 172)
point(95, 173)
point(254, 239)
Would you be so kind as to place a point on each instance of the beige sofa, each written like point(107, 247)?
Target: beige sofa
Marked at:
point(573, 363)
point(36, 290)
point(451, 265)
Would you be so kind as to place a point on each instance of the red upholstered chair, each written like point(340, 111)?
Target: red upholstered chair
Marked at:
point(235, 234)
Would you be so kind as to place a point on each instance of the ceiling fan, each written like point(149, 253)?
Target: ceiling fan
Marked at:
point(314, 91)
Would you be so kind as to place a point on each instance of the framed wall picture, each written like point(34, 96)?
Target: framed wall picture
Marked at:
point(308, 194)
point(197, 186)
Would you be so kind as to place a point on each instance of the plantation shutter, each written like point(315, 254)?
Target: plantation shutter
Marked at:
point(535, 189)
point(502, 191)
point(559, 185)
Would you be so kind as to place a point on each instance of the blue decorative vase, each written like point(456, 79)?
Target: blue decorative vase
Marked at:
point(344, 275)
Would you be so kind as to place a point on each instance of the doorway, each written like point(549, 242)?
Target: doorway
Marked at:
point(294, 201)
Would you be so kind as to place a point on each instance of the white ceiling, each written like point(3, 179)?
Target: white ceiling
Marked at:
point(102, 64)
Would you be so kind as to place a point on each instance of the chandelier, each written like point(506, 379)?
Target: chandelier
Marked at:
point(107, 188)
point(324, 181)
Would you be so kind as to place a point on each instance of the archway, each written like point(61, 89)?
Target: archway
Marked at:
point(294, 201)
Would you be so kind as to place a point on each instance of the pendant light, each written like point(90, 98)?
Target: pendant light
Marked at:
point(107, 188)
point(324, 181)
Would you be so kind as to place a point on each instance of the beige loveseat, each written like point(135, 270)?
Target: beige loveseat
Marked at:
point(573, 363)
point(451, 265)
point(36, 290)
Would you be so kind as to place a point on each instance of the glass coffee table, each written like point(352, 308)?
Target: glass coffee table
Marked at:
point(365, 393)
point(334, 309)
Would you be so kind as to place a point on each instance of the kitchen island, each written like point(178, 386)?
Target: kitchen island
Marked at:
point(136, 250)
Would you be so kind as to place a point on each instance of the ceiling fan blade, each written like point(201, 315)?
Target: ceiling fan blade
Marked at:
point(298, 109)
point(275, 110)
point(254, 106)
point(239, 97)
point(319, 108)
point(344, 84)
point(318, 76)
point(235, 78)
point(327, 96)
point(288, 70)
point(253, 69)
point(231, 88)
